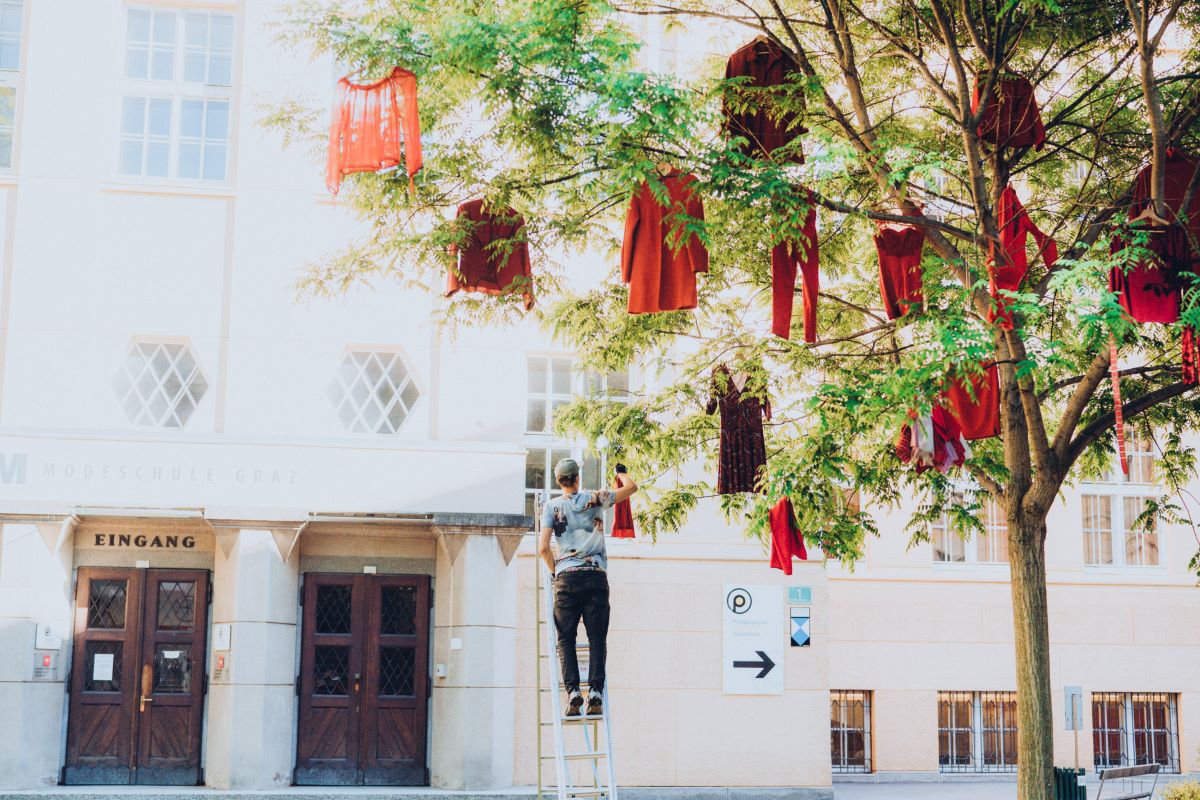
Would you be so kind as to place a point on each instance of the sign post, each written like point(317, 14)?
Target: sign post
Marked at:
point(754, 635)
point(1073, 706)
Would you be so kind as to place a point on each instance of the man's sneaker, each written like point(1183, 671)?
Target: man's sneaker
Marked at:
point(595, 706)
point(574, 702)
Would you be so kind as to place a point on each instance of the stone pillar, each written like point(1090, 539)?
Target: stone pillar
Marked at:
point(36, 559)
point(474, 635)
point(251, 711)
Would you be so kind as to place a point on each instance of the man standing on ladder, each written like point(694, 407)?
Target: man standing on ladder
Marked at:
point(579, 564)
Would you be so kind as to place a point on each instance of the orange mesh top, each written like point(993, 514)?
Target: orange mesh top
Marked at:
point(371, 123)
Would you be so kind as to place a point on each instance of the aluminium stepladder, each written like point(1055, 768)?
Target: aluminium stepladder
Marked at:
point(585, 768)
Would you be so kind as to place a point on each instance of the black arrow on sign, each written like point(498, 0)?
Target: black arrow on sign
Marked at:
point(765, 664)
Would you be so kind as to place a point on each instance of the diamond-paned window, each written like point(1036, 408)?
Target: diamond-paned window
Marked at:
point(398, 611)
point(397, 669)
point(106, 605)
point(331, 670)
point(176, 605)
point(160, 384)
point(105, 676)
point(373, 392)
point(333, 609)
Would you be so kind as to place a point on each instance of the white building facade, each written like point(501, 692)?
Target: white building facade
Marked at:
point(250, 540)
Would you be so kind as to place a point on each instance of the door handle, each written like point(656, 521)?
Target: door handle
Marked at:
point(147, 687)
point(357, 687)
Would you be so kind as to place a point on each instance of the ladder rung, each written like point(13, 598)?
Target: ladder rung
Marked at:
point(576, 756)
point(587, 793)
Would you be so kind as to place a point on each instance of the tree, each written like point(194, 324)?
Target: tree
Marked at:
point(543, 105)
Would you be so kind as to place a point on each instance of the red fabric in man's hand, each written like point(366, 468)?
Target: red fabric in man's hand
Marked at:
point(786, 540)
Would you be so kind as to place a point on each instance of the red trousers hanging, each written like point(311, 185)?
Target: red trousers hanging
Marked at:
point(979, 417)
point(899, 248)
point(799, 252)
point(786, 540)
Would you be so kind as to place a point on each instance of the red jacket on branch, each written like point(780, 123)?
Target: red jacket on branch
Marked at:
point(766, 65)
point(659, 258)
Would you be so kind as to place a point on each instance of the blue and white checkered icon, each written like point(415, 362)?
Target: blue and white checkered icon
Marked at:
point(800, 631)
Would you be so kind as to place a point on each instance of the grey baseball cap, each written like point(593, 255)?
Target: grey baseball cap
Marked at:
point(566, 469)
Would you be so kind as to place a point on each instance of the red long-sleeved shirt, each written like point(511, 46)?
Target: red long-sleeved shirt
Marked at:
point(375, 126)
point(659, 259)
point(494, 259)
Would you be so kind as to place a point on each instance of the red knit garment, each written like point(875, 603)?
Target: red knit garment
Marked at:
point(899, 249)
point(802, 252)
point(375, 126)
point(1178, 170)
point(786, 540)
point(494, 259)
point(1150, 290)
point(1012, 117)
point(622, 518)
point(659, 259)
point(766, 130)
point(979, 417)
point(1009, 270)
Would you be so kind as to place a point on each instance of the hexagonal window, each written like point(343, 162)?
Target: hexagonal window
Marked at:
point(373, 392)
point(160, 384)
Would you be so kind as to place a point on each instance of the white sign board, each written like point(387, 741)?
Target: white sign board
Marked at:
point(47, 637)
point(754, 637)
point(222, 636)
point(102, 667)
point(1073, 706)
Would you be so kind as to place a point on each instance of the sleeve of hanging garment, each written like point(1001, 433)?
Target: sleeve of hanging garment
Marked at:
point(697, 252)
point(526, 265)
point(412, 124)
point(1047, 247)
point(810, 273)
point(631, 225)
point(333, 160)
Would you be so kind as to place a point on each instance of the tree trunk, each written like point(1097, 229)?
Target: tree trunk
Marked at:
point(1035, 737)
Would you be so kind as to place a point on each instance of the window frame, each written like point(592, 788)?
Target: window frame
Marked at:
point(978, 733)
point(1119, 534)
point(839, 699)
point(1128, 733)
point(13, 80)
point(970, 549)
point(337, 381)
point(178, 91)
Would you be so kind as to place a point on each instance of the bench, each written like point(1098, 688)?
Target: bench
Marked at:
point(1129, 781)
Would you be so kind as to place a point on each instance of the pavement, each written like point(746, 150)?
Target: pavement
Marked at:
point(1006, 790)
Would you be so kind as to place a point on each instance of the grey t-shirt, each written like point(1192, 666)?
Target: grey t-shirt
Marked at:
point(578, 524)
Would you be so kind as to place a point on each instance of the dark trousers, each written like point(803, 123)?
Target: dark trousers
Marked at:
point(582, 593)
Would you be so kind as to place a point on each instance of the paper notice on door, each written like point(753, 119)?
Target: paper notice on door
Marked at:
point(171, 655)
point(102, 667)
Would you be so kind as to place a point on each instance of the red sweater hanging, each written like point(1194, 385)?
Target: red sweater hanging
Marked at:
point(494, 258)
point(899, 248)
point(1150, 290)
point(979, 417)
point(786, 540)
point(1178, 170)
point(622, 517)
point(802, 252)
point(743, 447)
point(375, 126)
point(1007, 271)
point(659, 259)
point(766, 130)
point(1012, 117)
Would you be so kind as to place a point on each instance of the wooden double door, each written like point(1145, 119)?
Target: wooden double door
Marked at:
point(364, 680)
point(137, 677)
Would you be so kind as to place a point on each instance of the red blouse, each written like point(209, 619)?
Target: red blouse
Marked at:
point(899, 248)
point(375, 126)
point(659, 260)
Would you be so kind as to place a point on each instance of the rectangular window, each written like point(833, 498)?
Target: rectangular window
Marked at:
point(552, 383)
point(977, 731)
point(177, 100)
point(12, 19)
point(948, 546)
point(11, 22)
point(1118, 517)
point(992, 545)
point(850, 730)
point(1132, 729)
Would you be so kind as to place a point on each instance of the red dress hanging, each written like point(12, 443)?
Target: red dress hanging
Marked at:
point(622, 517)
point(659, 259)
point(1012, 117)
point(1150, 290)
point(1007, 271)
point(375, 126)
point(801, 253)
point(786, 540)
point(899, 248)
point(765, 129)
point(494, 258)
point(978, 417)
point(743, 447)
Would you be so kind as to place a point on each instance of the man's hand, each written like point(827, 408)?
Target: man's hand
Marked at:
point(626, 486)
